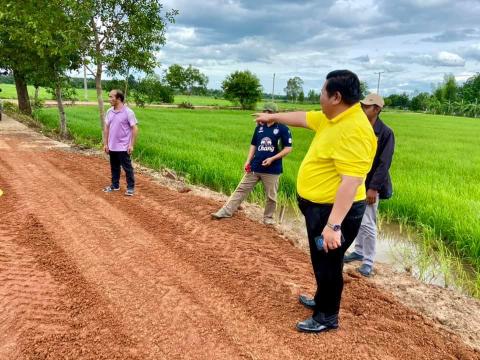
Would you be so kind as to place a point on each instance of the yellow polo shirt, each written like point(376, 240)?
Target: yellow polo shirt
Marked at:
point(344, 145)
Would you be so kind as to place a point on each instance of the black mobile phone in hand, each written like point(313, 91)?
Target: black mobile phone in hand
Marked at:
point(319, 241)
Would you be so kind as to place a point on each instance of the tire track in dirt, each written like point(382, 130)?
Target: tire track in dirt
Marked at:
point(124, 251)
point(26, 292)
point(155, 270)
point(257, 296)
point(47, 308)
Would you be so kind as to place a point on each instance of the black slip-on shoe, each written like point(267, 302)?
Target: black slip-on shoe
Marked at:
point(306, 301)
point(313, 326)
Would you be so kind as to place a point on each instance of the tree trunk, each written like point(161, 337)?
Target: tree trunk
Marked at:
point(98, 76)
point(61, 111)
point(35, 97)
point(98, 85)
point(85, 88)
point(22, 93)
point(126, 85)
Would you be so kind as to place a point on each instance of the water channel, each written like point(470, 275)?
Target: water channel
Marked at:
point(403, 250)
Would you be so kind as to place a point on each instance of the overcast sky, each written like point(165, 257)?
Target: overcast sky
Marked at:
point(415, 42)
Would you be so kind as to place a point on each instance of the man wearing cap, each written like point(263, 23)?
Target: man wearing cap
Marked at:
point(270, 143)
point(330, 188)
point(378, 185)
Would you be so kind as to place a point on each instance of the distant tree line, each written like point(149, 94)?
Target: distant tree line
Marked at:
point(294, 92)
point(447, 98)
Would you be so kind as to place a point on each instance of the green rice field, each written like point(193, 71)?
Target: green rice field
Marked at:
point(435, 170)
point(9, 92)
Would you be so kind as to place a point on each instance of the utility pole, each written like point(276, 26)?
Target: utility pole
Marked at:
point(273, 88)
point(85, 81)
point(126, 84)
point(378, 83)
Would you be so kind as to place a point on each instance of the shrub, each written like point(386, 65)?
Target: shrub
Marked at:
point(186, 105)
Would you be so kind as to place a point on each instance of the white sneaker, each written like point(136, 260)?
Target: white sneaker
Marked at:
point(268, 221)
point(110, 189)
point(220, 214)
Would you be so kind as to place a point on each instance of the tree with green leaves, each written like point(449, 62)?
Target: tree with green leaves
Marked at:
point(450, 87)
point(313, 97)
point(301, 97)
point(175, 77)
point(420, 102)
point(470, 91)
point(150, 90)
point(124, 35)
point(398, 100)
point(16, 54)
point(186, 80)
point(122, 84)
point(40, 41)
point(244, 88)
point(196, 82)
point(294, 88)
point(363, 89)
point(447, 91)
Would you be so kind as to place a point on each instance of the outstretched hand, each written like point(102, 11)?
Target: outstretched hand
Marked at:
point(263, 118)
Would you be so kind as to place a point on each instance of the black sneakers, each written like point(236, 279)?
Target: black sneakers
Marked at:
point(353, 256)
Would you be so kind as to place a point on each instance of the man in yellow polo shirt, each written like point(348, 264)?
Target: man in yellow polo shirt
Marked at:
point(330, 187)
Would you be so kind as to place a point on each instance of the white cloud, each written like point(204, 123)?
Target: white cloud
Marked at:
point(348, 12)
point(414, 41)
point(427, 3)
point(473, 52)
point(450, 59)
point(181, 34)
point(442, 58)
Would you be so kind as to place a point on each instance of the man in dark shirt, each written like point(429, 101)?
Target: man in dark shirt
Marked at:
point(264, 163)
point(377, 183)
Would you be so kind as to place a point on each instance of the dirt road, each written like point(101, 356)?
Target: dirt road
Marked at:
point(89, 275)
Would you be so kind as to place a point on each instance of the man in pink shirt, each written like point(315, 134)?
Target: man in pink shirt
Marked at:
point(119, 137)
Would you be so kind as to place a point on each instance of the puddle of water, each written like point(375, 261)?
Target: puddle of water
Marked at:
point(396, 248)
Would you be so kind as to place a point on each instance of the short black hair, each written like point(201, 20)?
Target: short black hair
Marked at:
point(346, 83)
point(119, 95)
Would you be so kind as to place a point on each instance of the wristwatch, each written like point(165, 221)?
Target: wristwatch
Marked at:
point(334, 227)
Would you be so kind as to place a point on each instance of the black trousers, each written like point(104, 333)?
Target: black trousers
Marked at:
point(121, 159)
point(328, 267)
